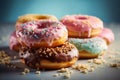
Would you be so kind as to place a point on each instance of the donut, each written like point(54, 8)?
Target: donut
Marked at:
point(14, 44)
point(34, 17)
point(42, 33)
point(82, 26)
point(89, 47)
point(50, 58)
point(107, 35)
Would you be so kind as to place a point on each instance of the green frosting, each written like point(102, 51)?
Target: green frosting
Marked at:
point(93, 45)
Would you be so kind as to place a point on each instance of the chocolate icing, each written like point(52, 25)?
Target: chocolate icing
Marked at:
point(63, 53)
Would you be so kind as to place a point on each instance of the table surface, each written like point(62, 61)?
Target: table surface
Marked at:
point(101, 72)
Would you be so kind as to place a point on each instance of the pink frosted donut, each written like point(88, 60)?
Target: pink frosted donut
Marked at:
point(107, 35)
point(82, 26)
point(42, 33)
point(14, 44)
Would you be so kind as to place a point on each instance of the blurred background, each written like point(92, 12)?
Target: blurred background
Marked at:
point(107, 10)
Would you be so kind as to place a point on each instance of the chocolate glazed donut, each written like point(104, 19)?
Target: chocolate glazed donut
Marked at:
point(50, 58)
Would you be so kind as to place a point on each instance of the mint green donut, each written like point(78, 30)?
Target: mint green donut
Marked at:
point(92, 45)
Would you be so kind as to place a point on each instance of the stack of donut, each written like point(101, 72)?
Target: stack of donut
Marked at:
point(88, 35)
point(41, 41)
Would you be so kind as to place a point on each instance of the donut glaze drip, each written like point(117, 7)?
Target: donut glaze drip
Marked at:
point(82, 23)
point(81, 17)
point(36, 31)
point(93, 45)
point(13, 41)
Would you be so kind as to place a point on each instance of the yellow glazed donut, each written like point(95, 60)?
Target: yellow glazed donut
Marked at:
point(34, 17)
point(82, 26)
point(89, 47)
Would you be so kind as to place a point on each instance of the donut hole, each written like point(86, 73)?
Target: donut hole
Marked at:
point(81, 17)
point(24, 21)
point(41, 17)
point(43, 25)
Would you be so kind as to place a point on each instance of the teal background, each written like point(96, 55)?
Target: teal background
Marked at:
point(107, 10)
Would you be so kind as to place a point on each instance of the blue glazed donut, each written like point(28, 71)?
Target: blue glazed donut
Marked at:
point(90, 47)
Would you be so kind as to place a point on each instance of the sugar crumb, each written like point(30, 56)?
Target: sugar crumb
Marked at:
point(55, 75)
point(23, 73)
point(26, 70)
point(37, 72)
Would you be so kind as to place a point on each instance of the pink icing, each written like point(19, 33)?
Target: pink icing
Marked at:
point(81, 23)
point(13, 40)
point(107, 34)
point(36, 31)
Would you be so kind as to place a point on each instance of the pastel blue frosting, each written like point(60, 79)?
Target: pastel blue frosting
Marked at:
point(93, 45)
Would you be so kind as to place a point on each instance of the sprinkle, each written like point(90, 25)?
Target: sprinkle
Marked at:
point(47, 35)
point(35, 36)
